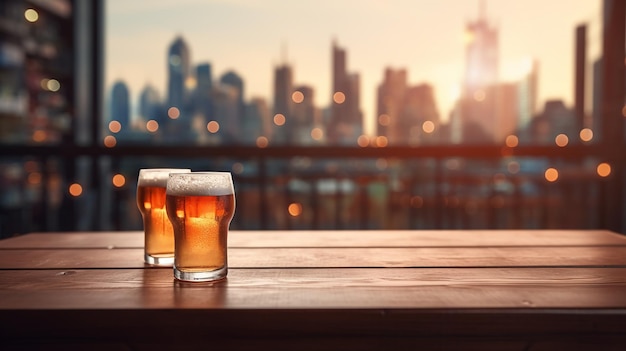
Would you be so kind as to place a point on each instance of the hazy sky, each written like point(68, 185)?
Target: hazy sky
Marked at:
point(423, 36)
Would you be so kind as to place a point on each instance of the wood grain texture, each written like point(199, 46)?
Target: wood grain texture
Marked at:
point(309, 290)
point(334, 257)
point(529, 288)
point(337, 238)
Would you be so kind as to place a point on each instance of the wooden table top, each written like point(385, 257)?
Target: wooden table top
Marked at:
point(360, 290)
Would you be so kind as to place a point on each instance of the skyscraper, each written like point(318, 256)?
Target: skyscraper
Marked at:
point(150, 106)
point(202, 102)
point(120, 104)
point(346, 121)
point(390, 101)
point(283, 104)
point(178, 67)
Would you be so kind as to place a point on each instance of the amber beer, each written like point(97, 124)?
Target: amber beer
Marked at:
point(200, 206)
point(158, 232)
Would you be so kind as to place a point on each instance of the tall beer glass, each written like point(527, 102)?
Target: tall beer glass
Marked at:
point(158, 232)
point(200, 206)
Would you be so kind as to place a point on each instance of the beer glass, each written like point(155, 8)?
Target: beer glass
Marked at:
point(200, 206)
point(158, 232)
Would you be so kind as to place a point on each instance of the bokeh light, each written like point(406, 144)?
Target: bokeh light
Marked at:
point(603, 169)
point(279, 119)
point(339, 97)
point(513, 167)
point(317, 134)
point(363, 140)
point(586, 134)
point(34, 178)
point(551, 174)
point(53, 85)
point(428, 127)
point(75, 189)
point(31, 15)
point(213, 127)
point(561, 140)
point(381, 141)
point(238, 168)
point(115, 126)
point(152, 126)
point(295, 209)
point(384, 120)
point(118, 180)
point(297, 97)
point(511, 141)
point(110, 141)
point(262, 142)
point(173, 112)
point(39, 136)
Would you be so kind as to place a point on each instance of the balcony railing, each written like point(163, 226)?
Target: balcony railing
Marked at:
point(472, 186)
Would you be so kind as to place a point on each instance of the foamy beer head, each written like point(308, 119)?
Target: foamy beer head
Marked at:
point(200, 206)
point(158, 232)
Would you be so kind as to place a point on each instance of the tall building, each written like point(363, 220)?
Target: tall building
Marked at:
point(202, 103)
point(232, 79)
point(150, 107)
point(120, 104)
point(389, 106)
point(481, 55)
point(305, 115)
point(346, 120)
point(283, 105)
point(178, 68)
point(477, 108)
point(256, 121)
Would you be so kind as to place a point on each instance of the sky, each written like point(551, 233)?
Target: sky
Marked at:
point(425, 37)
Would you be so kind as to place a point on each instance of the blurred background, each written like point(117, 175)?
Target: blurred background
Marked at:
point(336, 114)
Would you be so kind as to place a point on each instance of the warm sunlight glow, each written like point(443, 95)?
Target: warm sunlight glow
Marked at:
point(511, 141)
point(551, 174)
point(31, 15)
point(295, 209)
point(75, 189)
point(561, 140)
point(604, 169)
point(586, 134)
point(152, 126)
point(624, 111)
point(115, 126)
point(428, 127)
point(317, 134)
point(479, 95)
point(118, 180)
point(191, 83)
point(110, 141)
point(173, 112)
point(384, 120)
point(339, 97)
point(213, 127)
point(39, 136)
point(53, 85)
point(262, 142)
point(279, 119)
point(297, 97)
point(381, 141)
point(363, 141)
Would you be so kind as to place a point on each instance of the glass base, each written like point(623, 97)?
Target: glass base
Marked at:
point(159, 260)
point(200, 276)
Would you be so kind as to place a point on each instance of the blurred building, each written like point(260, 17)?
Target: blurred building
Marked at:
point(120, 104)
point(283, 105)
point(179, 71)
point(346, 120)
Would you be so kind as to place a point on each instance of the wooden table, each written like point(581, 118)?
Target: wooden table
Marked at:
point(314, 290)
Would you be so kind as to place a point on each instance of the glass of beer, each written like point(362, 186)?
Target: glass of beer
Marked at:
point(200, 206)
point(158, 232)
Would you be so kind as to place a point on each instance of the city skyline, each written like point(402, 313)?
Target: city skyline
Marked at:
point(255, 71)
